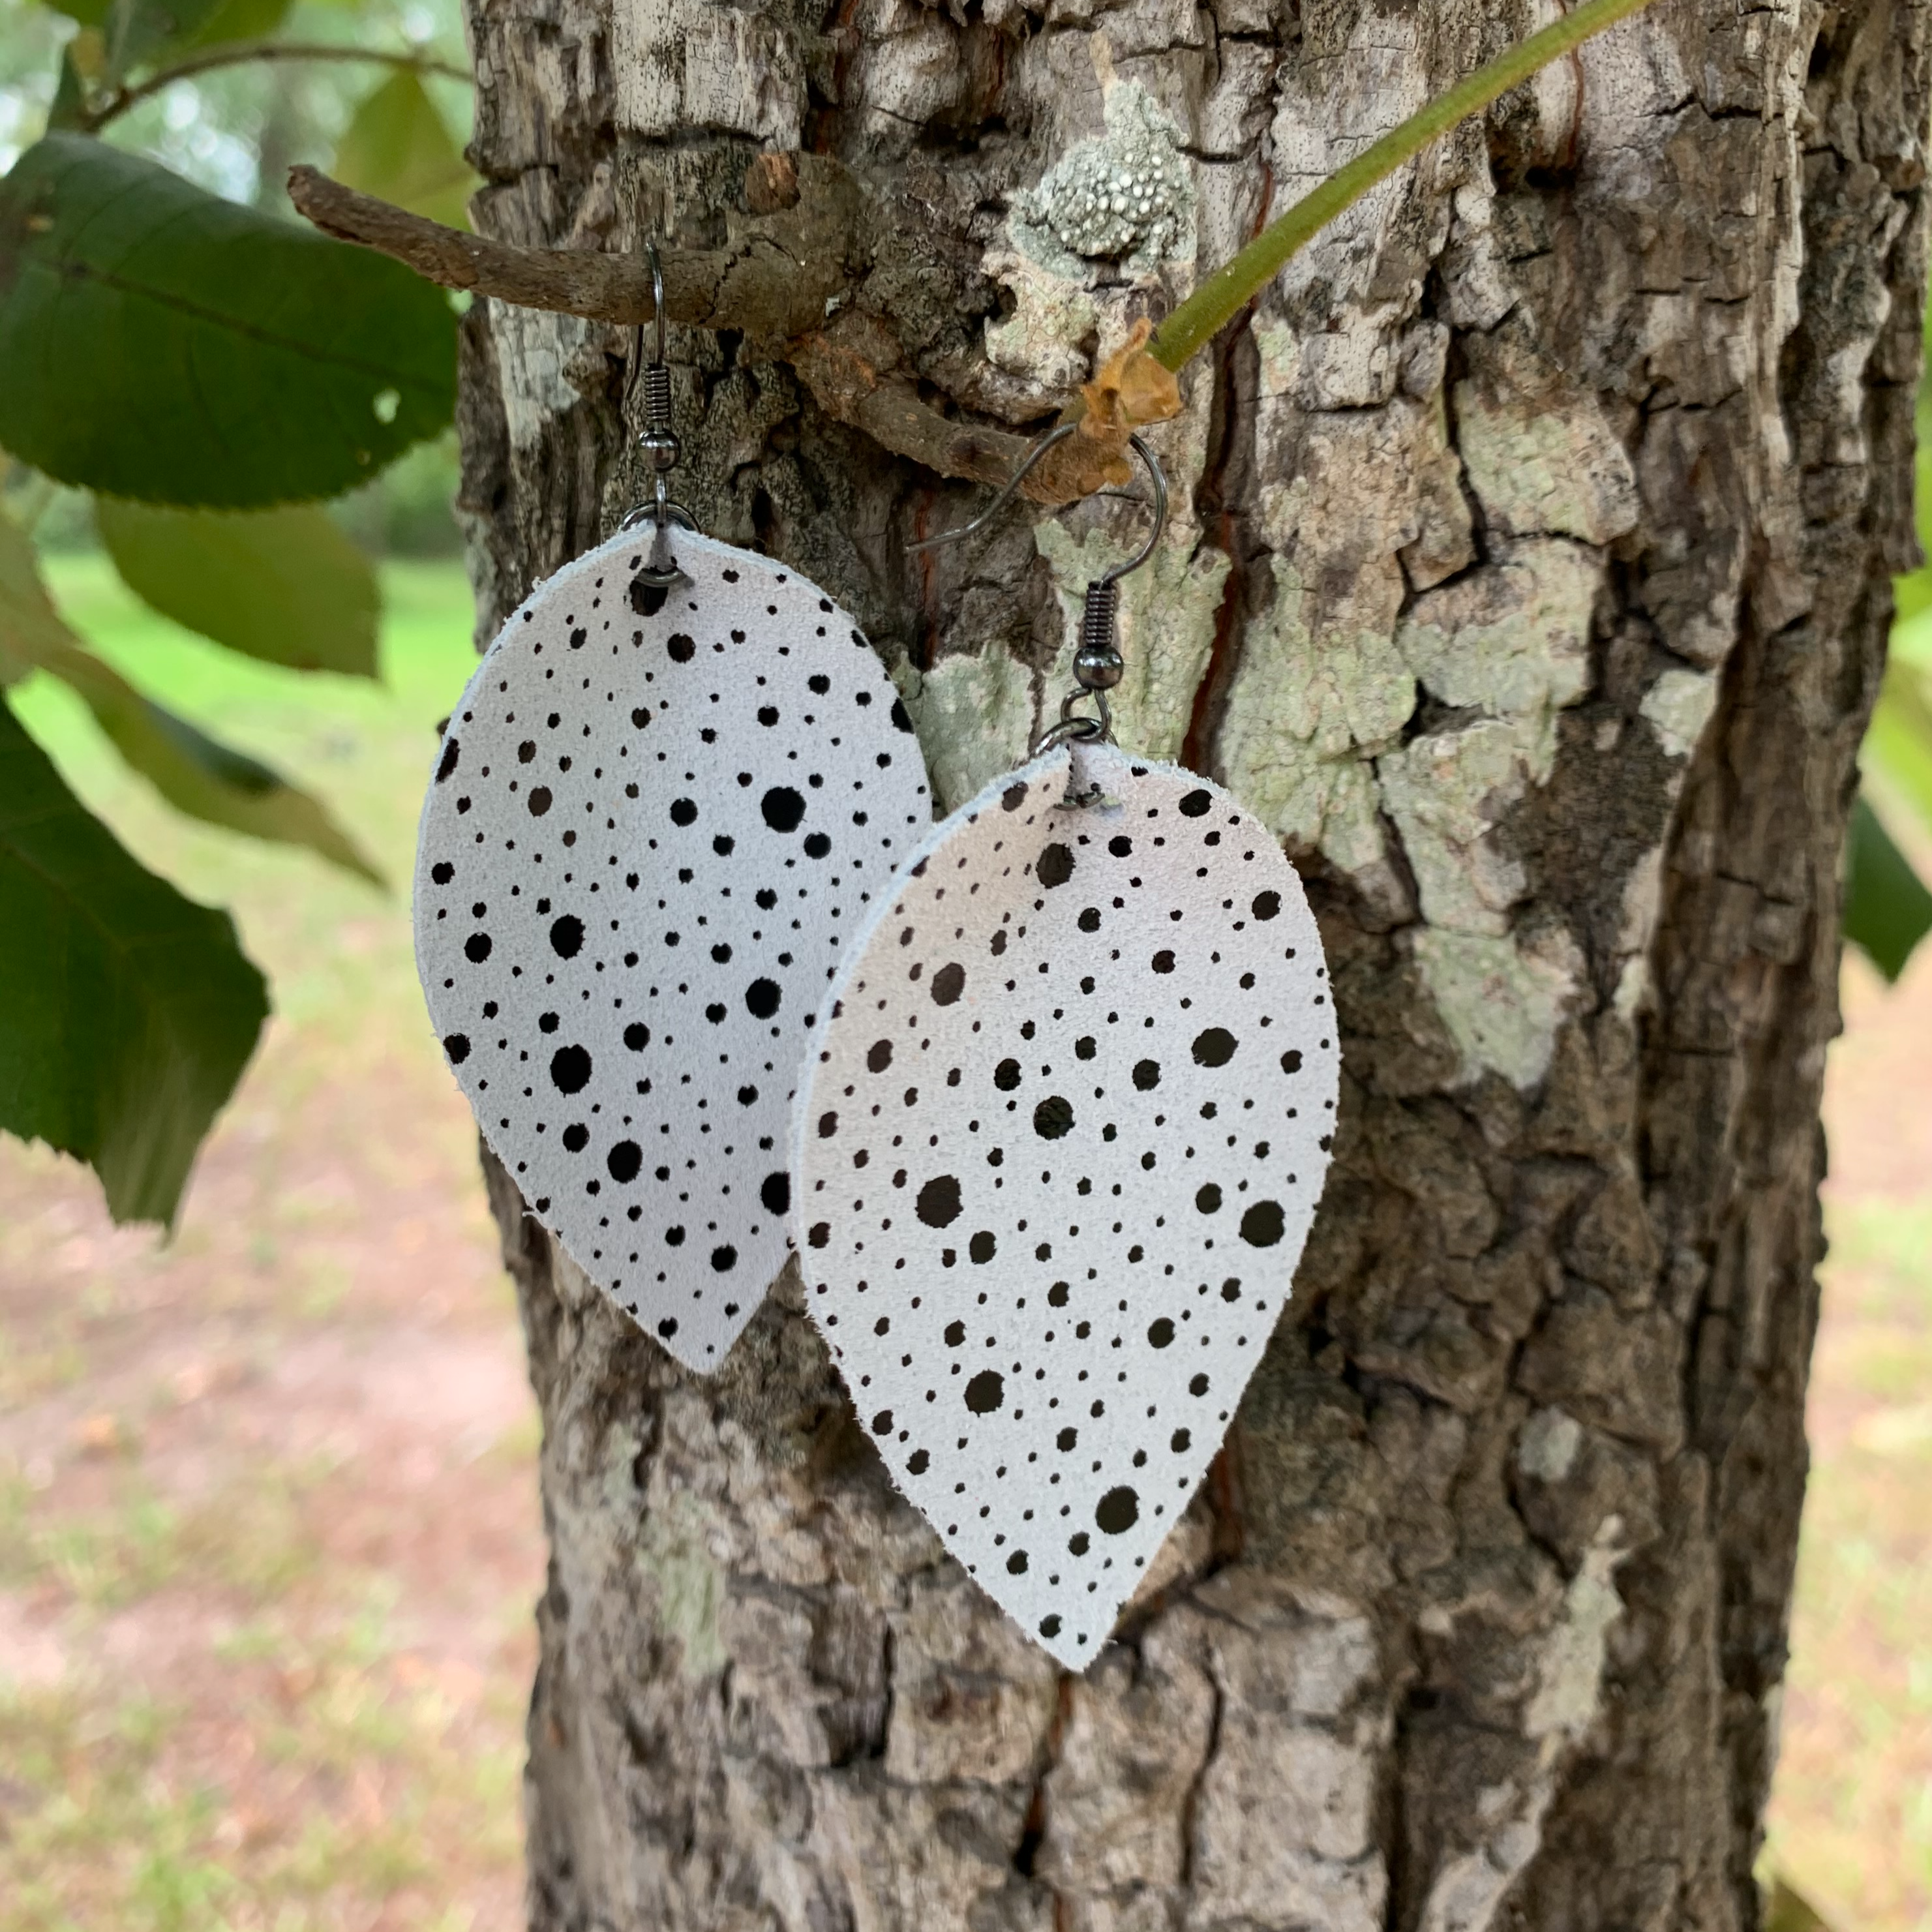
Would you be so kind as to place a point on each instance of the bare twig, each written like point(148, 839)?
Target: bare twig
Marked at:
point(791, 281)
point(570, 281)
point(775, 281)
point(857, 375)
point(238, 53)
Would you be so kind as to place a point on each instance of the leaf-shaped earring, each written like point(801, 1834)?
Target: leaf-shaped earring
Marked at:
point(674, 786)
point(1060, 1144)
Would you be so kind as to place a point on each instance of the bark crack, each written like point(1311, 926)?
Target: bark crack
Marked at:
point(1190, 1809)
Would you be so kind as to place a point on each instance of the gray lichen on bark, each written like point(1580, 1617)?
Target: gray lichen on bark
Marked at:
point(1529, 571)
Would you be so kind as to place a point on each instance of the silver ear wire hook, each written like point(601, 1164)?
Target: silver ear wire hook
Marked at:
point(659, 323)
point(659, 444)
point(1098, 666)
point(1059, 433)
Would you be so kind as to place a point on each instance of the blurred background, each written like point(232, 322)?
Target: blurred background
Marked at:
point(269, 1532)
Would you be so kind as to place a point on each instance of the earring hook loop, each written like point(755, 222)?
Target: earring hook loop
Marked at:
point(1098, 666)
point(1157, 483)
point(1059, 432)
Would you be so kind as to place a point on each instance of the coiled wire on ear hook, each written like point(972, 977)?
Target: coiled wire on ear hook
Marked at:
point(1098, 666)
point(659, 442)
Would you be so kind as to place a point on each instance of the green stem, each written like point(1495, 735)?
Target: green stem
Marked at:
point(238, 52)
point(1228, 291)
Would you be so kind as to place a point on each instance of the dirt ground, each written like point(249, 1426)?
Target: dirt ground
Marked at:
point(269, 1535)
point(1851, 1816)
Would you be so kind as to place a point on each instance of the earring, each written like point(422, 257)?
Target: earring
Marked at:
point(676, 783)
point(1060, 1144)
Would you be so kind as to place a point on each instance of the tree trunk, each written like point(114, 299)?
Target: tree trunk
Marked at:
point(1528, 571)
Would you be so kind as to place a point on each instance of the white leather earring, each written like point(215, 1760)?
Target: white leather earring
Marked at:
point(1060, 1144)
point(678, 781)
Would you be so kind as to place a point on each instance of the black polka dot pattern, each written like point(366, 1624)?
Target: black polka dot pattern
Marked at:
point(653, 825)
point(1058, 1149)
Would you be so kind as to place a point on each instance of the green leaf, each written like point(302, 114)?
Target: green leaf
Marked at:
point(70, 101)
point(284, 585)
point(227, 20)
point(135, 32)
point(127, 1011)
point(31, 628)
point(194, 772)
point(1787, 1909)
point(1912, 594)
point(398, 147)
point(1898, 749)
point(163, 344)
point(198, 775)
point(89, 13)
point(1888, 910)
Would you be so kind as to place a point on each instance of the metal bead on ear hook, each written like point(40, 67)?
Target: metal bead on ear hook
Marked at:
point(1098, 666)
point(659, 445)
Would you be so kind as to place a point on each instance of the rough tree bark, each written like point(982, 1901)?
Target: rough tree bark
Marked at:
point(1528, 570)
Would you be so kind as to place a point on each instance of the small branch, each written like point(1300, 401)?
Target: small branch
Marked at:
point(775, 281)
point(238, 53)
point(569, 281)
point(855, 373)
point(1228, 291)
point(789, 280)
